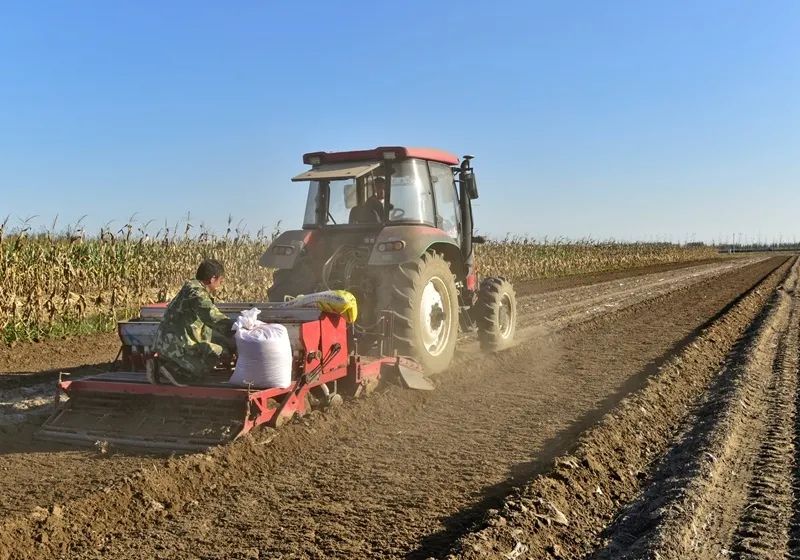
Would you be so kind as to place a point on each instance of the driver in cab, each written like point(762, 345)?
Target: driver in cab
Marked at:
point(373, 210)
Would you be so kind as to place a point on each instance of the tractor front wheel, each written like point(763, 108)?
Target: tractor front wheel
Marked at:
point(423, 299)
point(496, 314)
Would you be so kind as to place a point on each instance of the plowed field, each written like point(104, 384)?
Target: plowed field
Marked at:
point(647, 415)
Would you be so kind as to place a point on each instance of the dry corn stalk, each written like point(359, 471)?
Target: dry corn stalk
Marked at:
point(55, 284)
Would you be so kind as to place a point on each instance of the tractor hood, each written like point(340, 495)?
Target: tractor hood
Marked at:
point(334, 171)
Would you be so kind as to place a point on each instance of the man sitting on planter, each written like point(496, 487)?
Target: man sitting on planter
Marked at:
point(194, 334)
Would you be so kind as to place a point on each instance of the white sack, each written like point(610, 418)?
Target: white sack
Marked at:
point(265, 353)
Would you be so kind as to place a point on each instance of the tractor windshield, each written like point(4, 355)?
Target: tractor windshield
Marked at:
point(370, 199)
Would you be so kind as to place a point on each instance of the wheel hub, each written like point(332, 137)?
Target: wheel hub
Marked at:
point(434, 316)
point(437, 316)
point(505, 316)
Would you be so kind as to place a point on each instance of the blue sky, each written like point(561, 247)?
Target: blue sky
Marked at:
point(633, 120)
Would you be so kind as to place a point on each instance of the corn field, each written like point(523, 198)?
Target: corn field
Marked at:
point(57, 285)
point(523, 258)
point(65, 284)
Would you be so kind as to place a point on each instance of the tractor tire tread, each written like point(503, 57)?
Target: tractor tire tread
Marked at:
point(400, 294)
point(490, 295)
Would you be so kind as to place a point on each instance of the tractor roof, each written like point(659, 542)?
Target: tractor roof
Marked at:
point(380, 153)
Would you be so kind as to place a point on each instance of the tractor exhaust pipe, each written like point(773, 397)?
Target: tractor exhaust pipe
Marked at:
point(467, 190)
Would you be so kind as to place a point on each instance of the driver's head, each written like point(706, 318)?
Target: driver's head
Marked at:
point(379, 187)
point(211, 273)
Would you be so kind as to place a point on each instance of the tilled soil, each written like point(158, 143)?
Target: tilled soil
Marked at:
point(542, 285)
point(40, 360)
point(401, 474)
point(728, 485)
point(30, 371)
point(700, 463)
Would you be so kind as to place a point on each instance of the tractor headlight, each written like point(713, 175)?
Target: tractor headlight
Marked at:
point(391, 246)
point(283, 250)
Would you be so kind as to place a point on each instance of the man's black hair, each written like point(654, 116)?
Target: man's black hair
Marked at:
point(208, 269)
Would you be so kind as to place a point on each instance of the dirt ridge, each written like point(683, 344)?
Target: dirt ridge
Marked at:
point(764, 530)
point(739, 502)
point(579, 304)
point(563, 513)
point(706, 496)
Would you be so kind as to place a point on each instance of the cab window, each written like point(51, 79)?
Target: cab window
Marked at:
point(410, 196)
point(448, 213)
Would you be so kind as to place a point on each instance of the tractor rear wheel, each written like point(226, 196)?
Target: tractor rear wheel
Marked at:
point(496, 314)
point(423, 300)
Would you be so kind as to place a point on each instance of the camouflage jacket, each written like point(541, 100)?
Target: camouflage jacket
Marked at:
point(193, 333)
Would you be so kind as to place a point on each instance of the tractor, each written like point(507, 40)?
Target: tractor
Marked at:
point(391, 225)
point(394, 226)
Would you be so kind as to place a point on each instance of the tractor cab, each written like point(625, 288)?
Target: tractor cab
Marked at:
point(393, 188)
point(394, 203)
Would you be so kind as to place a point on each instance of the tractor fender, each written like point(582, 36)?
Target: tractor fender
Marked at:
point(416, 240)
point(284, 250)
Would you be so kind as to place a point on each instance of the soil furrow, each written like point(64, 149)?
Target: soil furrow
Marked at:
point(562, 513)
point(398, 475)
point(701, 489)
point(543, 285)
point(794, 522)
point(552, 310)
point(720, 510)
point(764, 528)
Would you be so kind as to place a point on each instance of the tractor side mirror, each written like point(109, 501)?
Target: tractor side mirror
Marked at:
point(471, 184)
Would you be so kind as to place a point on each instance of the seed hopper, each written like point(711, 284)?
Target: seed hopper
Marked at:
point(122, 408)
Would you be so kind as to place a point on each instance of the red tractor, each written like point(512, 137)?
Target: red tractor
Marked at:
point(394, 226)
point(391, 225)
